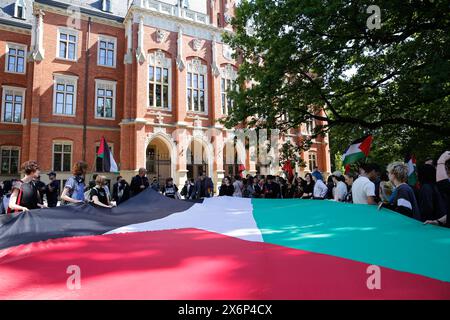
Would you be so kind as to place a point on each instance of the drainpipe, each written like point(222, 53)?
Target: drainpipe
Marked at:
point(86, 87)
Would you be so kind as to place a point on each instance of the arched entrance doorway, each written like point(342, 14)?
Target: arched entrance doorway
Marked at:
point(197, 160)
point(158, 161)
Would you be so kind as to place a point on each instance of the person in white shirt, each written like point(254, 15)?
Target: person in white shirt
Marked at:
point(340, 190)
point(363, 189)
point(320, 189)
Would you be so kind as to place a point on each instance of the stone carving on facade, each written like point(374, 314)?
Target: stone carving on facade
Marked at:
point(161, 35)
point(196, 44)
point(180, 61)
point(214, 67)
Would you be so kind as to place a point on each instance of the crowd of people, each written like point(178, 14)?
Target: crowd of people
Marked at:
point(428, 200)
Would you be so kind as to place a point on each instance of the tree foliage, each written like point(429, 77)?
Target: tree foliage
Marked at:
point(304, 56)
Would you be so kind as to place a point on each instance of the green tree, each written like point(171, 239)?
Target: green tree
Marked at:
point(318, 59)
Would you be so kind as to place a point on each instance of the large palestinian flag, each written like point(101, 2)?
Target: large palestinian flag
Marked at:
point(152, 247)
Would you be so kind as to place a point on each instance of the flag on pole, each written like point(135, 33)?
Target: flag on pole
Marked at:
point(287, 167)
point(104, 152)
point(242, 171)
point(410, 160)
point(358, 149)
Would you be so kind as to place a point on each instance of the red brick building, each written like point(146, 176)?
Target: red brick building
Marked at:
point(143, 74)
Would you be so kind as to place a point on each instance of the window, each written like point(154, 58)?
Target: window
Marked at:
point(196, 86)
point(15, 58)
point(65, 92)
point(13, 104)
point(67, 44)
point(9, 160)
point(98, 160)
point(107, 51)
point(62, 156)
point(106, 5)
point(309, 126)
point(159, 81)
point(105, 99)
point(19, 9)
point(227, 83)
point(312, 161)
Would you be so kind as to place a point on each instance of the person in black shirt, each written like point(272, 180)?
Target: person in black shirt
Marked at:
point(25, 195)
point(272, 189)
point(308, 187)
point(52, 190)
point(430, 200)
point(98, 194)
point(170, 190)
point(405, 201)
point(121, 191)
point(40, 187)
point(443, 184)
point(139, 183)
point(226, 189)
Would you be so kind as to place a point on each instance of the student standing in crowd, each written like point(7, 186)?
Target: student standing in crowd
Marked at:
point(320, 189)
point(40, 186)
point(188, 191)
point(340, 190)
point(238, 186)
point(98, 194)
point(52, 190)
point(7, 191)
point(155, 185)
point(363, 189)
point(443, 183)
point(121, 190)
point(204, 187)
point(330, 185)
point(170, 190)
point(73, 191)
point(430, 201)
point(226, 189)
point(271, 188)
point(25, 195)
point(308, 187)
point(139, 183)
point(350, 177)
point(405, 201)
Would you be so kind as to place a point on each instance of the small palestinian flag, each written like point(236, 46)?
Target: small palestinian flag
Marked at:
point(359, 149)
point(104, 152)
point(287, 167)
point(412, 171)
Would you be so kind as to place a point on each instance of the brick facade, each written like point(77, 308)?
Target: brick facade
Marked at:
point(141, 136)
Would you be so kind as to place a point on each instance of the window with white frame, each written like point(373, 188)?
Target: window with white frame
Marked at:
point(197, 86)
point(67, 44)
point(309, 126)
point(15, 58)
point(9, 160)
point(19, 9)
point(107, 51)
point(65, 92)
point(106, 5)
point(227, 83)
point(62, 156)
point(105, 99)
point(13, 102)
point(159, 80)
point(312, 161)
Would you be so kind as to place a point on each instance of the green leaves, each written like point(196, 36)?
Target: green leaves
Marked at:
point(390, 81)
